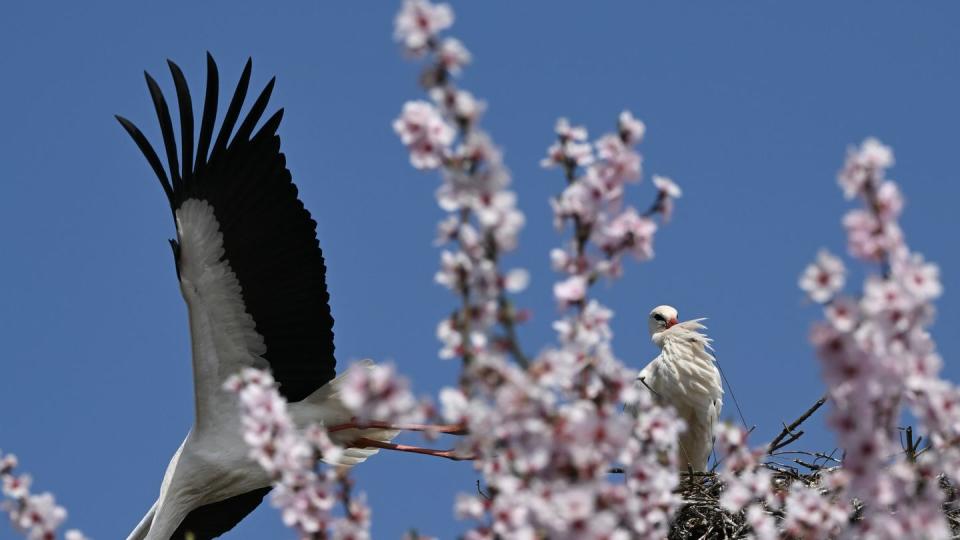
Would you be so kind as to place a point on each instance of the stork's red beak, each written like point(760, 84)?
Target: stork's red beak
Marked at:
point(672, 322)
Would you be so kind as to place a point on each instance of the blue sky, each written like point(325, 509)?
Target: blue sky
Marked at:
point(749, 107)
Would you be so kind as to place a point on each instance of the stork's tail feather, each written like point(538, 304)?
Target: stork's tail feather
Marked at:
point(328, 396)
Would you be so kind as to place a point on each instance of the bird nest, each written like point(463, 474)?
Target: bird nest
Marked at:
point(702, 517)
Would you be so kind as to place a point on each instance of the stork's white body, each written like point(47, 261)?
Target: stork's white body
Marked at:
point(686, 377)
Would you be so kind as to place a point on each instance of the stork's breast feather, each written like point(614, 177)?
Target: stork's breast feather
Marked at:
point(685, 374)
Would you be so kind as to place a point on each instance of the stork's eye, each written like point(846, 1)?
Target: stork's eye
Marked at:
point(659, 317)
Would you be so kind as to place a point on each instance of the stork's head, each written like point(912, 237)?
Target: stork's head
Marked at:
point(661, 318)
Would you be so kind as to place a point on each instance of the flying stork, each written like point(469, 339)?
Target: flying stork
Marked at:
point(686, 377)
point(253, 277)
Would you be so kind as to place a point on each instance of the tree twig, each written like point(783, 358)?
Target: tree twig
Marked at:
point(782, 439)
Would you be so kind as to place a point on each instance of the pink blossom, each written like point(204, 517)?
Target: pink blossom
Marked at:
point(516, 280)
point(870, 239)
point(571, 290)
point(304, 495)
point(824, 277)
point(619, 164)
point(843, 313)
point(7, 463)
point(452, 339)
point(811, 515)
point(864, 165)
point(589, 329)
point(455, 269)
point(453, 55)
point(40, 516)
point(571, 148)
point(578, 201)
point(668, 191)
point(889, 200)
point(37, 516)
point(460, 104)
point(16, 487)
point(876, 355)
point(455, 405)
point(425, 133)
point(631, 129)
point(560, 260)
point(567, 132)
point(628, 231)
point(376, 392)
point(568, 152)
point(920, 279)
point(419, 22)
point(667, 186)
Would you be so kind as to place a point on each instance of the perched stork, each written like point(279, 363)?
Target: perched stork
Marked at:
point(253, 277)
point(685, 376)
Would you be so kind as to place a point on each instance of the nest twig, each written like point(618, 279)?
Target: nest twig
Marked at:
point(702, 518)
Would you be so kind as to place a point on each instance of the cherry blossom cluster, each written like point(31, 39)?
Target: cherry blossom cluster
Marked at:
point(546, 438)
point(483, 220)
point(545, 434)
point(748, 485)
point(35, 516)
point(377, 393)
point(305, 494)
point(593, 202)
point(878, 355)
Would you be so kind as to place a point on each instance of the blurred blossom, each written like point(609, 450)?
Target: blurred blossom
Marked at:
point(824, 277)
point(877, 355)
point(566, 132)
point(843, 313)
point(668, 191)
point(667, 186)
point(516, 280)
point(631, 129)
point(425, 133)
point(376, 392)
point(453, 55)
point(628, 231)
point(864, 166)
point(36, 516)
point(459, 104)
point(304, 495)
point(571, 290)
point(419, 22)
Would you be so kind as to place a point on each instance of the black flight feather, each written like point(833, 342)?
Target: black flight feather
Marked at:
point(166, 128)
point(233, 111)
point(209, 113)
point(185, 104)
point(144, 145)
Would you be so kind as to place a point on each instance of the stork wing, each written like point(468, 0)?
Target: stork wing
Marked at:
point(212, 520)
point(247, 256)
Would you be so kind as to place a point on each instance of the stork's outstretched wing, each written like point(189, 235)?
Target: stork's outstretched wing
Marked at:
point(247, 256)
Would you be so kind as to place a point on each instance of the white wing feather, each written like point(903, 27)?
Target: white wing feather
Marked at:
point(223, 335)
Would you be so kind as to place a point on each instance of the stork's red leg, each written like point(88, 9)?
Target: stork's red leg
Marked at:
point(363, 442)
point(451, 429)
